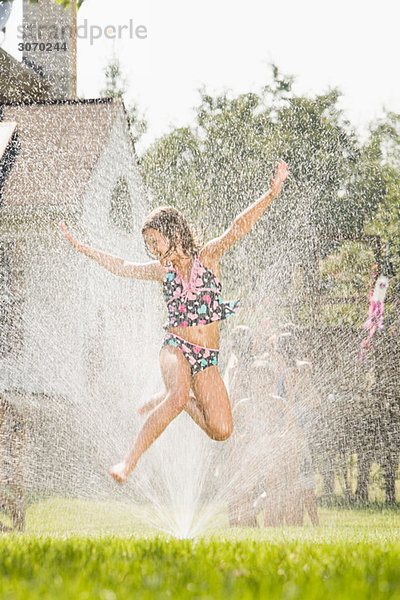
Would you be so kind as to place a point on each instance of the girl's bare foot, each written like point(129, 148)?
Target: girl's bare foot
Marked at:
point(119, 472)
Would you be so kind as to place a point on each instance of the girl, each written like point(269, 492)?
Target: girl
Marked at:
point(189, 353)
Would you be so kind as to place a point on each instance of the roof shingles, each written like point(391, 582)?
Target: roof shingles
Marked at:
point(60, 145)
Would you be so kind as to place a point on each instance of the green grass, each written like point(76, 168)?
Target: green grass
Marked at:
point(83, 550)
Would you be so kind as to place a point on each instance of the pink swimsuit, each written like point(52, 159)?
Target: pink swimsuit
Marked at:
point(198, 302)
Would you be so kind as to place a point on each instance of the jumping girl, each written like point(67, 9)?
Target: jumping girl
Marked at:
point(192, 291)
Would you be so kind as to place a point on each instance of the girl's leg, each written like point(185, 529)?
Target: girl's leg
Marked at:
point(273, 515)
point(248, 517)
point(293, 498)
point(152, 403)
point(192, 408)
point(310, 503)
point(210, 407)
point(274, 486)
point(176, 374)
point(213, 403)
point(196, 411)
point(233, 514)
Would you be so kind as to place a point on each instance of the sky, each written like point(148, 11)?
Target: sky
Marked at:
point(228, 45)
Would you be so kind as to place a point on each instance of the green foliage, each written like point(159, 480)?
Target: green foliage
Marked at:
point(381, 180)
point(116, 86)
point(170, 171)
point(231, 152)
point(385, 222)
point(227, 160)
point(348, 272)
point(83, 549)
point(217, 168)
point(115, 83)
point(64, 3)
point(240, 565)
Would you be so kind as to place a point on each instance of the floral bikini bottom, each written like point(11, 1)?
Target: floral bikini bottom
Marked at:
point(198, 357)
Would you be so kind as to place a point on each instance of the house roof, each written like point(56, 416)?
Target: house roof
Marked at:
point(6, 132)
point(19, 82)
point(59, 145)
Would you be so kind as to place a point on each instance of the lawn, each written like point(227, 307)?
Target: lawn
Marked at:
point(82, 550)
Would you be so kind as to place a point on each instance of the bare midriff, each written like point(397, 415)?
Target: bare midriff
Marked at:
point(202, 335)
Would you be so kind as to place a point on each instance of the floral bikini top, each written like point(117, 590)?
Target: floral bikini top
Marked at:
point(198, 302)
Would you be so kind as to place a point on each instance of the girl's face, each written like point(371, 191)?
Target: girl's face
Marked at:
point(158, 246)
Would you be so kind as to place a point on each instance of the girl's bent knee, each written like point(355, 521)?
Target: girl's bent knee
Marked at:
point(222, 432)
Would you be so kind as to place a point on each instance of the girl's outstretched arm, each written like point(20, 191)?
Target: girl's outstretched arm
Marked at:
point(245, 221)
point(118, 266)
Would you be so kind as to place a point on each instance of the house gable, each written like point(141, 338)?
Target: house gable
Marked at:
point(60, 144)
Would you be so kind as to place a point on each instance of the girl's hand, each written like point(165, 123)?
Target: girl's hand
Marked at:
point(281, 175)
point(68, 236)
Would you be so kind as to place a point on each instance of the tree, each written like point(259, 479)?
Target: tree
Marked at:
point(385, 221)
point(219, 166)
point(116, 88)
point(378, 186)
point(63, 3)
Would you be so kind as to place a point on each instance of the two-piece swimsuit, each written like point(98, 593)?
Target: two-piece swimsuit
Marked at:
point(198, 302)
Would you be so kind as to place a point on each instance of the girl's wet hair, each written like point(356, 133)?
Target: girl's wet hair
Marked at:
point(170, 222)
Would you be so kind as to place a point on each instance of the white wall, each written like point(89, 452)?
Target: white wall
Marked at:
point(87, 332)
point(91, 339)
point(131, 309)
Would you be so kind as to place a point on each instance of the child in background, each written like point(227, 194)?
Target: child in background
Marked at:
point(237, 380)
point(273, 456)
point(296, 387)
